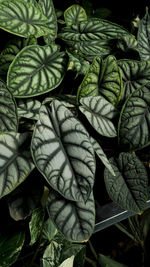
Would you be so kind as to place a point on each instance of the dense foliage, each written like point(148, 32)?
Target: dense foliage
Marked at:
point(74, 99)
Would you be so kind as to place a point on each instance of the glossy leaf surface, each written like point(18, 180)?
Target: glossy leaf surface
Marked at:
point(129, 187)
point(15, 161)
point(28, 108)
point(144, 37)
point(63, 153)
point(22, 18)
point(36, 70)
point(75, 220)
point(134, 122)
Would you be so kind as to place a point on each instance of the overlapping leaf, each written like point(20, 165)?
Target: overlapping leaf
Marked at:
point(8, 110)
point(63, 153)
point(144, 37)
point(77, 63)
point(134, 122)
point(103, 78)
point(36, 224)
point(74, 219)
point(29, 108)
point(129, 187)
point(49, 12)
point(36, 70)
point(134, 74)
point(99, 113)
point(74, 14)
point(15, 161)
point(22, 18)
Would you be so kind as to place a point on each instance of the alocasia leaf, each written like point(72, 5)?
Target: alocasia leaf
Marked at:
point(48, 10)
point(22, 18)
point(78, 63)
point(134, 122)
point(134, 75)
point(74, 14)
point(15, 161)
point(99, 113)
point(103, 78)
point(10, 247)
point(36, 70)
point(8, 110)
point(63, 153)
point(144, 37)
point(129, 187)
point(28, 108)
point(75, 220)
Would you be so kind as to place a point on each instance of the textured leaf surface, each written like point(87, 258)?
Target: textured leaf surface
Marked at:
point(36, 224)
point(129, 187)
point(77, 63)
point(8, 110)
point(100, 153)
point(134, 75)
point(74, 219)
point(74, 14)
point(29, 108)
point(99, 113)
point(51, 256)
point(63, 153)
point(144, 37)
point(15, 161)
point(134, 122)
point(22, 18)
point(10, 248)
point(49, 12)
point(36, 70)
point(103, 78)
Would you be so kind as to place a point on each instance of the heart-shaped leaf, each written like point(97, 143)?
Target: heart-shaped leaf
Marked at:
point(103, 78)
point(15, 161)
point(134, 75)
point(99, 113)
point(129, 187)
point(8, 110)
point(63, 153)
point(74, 219)
point(49, 12)
point(74, 14)
point(28, 108)
point(36, 70)
point(134, 122)
point(144, 37)
point(22, 18)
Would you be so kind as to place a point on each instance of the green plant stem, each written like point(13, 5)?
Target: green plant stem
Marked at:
point(92, 250)
point(92, 263)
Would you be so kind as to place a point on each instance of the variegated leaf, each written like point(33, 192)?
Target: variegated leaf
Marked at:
point(74, 14)
point(28, 108)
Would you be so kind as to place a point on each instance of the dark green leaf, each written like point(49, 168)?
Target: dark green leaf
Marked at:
point(36, 224)
point(10, 248)
point(15, 163)
point(99, 113)
point(77, 63)
point(8, 110)
point(134, 122)
point(22, 18)
point(49, 230)
point(144, 37)
point(36, 70)
point(74, 15)
point(106, 261)
point(63, 153)
point(75, 220)
point(129, 188)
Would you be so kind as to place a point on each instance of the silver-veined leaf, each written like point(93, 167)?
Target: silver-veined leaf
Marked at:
point(100, 153)
point(129, 188)
point(144, 37)
point(28, 108)
point(49, 12)
point(99, 113)
point(15, 161)
point(74, 219)
point(8, 110)
point(63, 153)
point(134, 75)
point(36, 70)
point(22, 18)
point(10, 247)
point(103, 78)
point(134, 122)
point(74, 14)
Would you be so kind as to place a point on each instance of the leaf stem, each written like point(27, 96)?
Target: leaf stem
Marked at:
point(92, 263)
point(92, 249)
